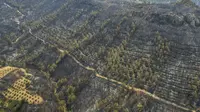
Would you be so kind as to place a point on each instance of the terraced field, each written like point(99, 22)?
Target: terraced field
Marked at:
point(6, 70)
point(18, 90)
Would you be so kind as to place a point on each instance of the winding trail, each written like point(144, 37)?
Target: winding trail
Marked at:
point(144, 92)
point(138, 90)
point(8, 70)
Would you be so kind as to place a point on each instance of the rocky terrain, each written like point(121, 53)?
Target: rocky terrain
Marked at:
point(102, 55)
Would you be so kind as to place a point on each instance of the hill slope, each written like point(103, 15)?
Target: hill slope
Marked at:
point(153, 47)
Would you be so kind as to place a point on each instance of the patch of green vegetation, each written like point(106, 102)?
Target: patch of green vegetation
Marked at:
point(94, 13)
point(35, 24)
point(50, 17)
point(12, 105)
point(123, 19)
point(41, 23)
point(52, 67)
point(138, 72)
point(195, 86)
point(105, 23)
point(15, 106)
point(62, 106)
point(161, 48)
point(140, 107)
point(68, 92)
point(115, 61)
